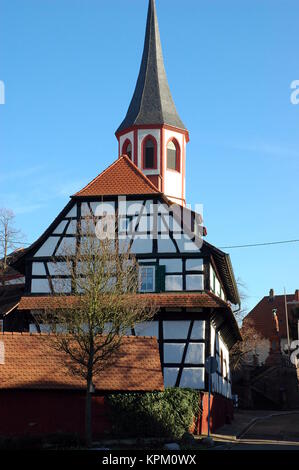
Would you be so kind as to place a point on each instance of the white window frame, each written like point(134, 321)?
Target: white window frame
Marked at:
point(153, 268)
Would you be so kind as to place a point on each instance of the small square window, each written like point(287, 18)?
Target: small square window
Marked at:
point(147, 278)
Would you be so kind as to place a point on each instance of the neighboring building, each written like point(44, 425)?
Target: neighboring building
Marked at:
point(268, 317)
point(39, 395)
point(12, 285)
point(191, 281)
point(270, 377)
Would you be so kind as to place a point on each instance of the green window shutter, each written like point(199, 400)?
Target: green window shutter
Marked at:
point(160, 278)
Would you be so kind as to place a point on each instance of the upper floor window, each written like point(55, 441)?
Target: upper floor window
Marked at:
point(147, 278)
point(149, 152)
point(127, 148)
point(173, 155)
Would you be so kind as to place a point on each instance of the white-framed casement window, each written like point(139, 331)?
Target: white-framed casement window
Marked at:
point(147, 278)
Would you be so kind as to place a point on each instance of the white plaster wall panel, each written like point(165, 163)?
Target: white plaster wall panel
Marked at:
point(150, 207)
point(142, 245)
point(40, 286)
point(175, 329)
point(145, 223)
point(38, 269)
point(173, 353)
point(123, 138)
point(59, 268)
point(173, 283)
point(195, 353)
point(198, 330)
point(194, 282)
point(211, 277)
point(175, 225)
point(59, 229)
point(217, 287)
point(150, 328)
point(72, 228)
point(47, 249)
point(163, 223)
point(166, 245)
point(195, 264)
point(67, 247)
point(170, 376)
point(173, 265)
point(104, 208)
point(62, 286)
point(213, 352)
point(173, 179)
point(142, 133)
point(193, 378)
point(185, 244)
point(72, 212)
point(173, 184)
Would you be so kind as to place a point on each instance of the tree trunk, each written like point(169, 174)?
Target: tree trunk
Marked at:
point(88, 414)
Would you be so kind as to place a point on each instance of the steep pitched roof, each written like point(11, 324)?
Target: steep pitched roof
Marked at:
point(27, 361)
point(152, 102)
point(120, 178)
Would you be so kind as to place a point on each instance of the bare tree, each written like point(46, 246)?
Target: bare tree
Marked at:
point(242, 352)
point(89, 330)
point(9, 239)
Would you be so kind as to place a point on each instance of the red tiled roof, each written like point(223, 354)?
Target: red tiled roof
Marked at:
point(170, 300)
point(31, 363)
point(263, 319)
point(120, 178)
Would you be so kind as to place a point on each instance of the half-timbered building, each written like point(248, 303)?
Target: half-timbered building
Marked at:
point(190, 280)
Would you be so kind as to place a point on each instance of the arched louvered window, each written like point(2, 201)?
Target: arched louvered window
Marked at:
point(173, 155)
point(127, 148)
point(149, 153)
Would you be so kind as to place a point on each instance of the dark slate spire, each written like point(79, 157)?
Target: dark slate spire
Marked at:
point(152, 102)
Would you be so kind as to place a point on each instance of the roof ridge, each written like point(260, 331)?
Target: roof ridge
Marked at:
point(96, 177)
point(131, 166)
point(135, 167)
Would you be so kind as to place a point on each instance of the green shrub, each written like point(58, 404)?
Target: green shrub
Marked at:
point(156, 414)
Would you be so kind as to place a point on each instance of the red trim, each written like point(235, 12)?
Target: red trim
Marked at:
point(143, 144)
point(153, 126)
point(136, 147)
point(162, 139)
point(183, 170)
point(178, 155)
point(125, 148)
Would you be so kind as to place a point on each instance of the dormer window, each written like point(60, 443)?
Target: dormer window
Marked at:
point(149, 151)
point(127, 149)
point(173, 155)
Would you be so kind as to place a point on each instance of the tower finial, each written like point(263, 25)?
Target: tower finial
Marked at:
point(152, 102)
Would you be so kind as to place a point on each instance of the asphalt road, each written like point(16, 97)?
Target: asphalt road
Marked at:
point(274, 433)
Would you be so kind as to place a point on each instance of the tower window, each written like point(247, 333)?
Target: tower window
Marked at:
point(149, 154)
point(173, 156)
point(127, 149)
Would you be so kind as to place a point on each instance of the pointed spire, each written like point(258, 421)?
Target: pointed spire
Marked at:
point(152, 102)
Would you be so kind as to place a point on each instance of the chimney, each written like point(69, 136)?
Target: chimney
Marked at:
point(271, 295)
point(2, 353)
point(296, 295)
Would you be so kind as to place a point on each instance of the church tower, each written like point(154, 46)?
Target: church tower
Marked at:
point(152, 133)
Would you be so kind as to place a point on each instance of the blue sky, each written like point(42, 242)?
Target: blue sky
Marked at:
point(70, 68)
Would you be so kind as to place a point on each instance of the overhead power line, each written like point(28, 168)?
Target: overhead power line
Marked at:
point(249, 245)
point(259, 244)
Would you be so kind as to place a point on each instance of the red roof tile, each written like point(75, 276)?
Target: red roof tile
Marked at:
point(30, 363)
point(120, 178)
point(169, 300)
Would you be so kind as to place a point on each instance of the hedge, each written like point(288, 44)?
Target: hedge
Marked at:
point(156, 414)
